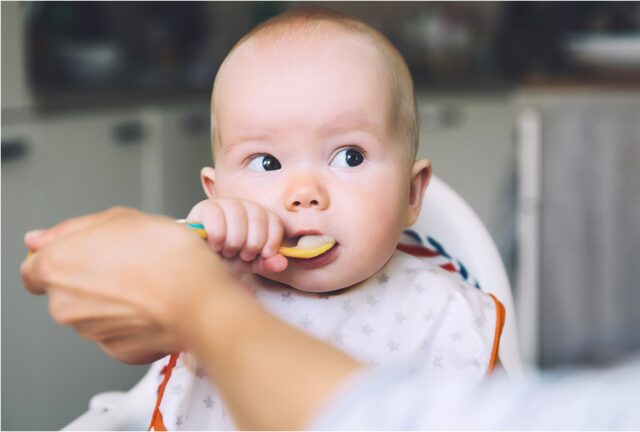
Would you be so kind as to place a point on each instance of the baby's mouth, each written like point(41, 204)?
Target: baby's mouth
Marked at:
point(309, 246)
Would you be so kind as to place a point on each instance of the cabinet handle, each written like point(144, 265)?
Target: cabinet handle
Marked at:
point(128, 132)
point(14, 149)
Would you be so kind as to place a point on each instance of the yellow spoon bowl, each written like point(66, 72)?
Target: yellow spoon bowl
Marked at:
point(296, 252)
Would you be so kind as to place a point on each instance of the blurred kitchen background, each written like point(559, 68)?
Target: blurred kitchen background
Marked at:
point(530, 110)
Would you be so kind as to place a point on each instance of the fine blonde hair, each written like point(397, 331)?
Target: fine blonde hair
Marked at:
point(306, 21)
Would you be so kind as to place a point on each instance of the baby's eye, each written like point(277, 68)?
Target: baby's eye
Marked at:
point(349, 157)
point(264, 163)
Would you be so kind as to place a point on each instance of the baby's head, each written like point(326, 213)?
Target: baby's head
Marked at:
point(314, 117)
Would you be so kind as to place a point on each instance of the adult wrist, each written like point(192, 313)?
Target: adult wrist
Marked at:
point(218, 318)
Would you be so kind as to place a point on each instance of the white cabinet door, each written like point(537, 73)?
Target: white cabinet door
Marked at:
point(55, 169)
point(469, 141)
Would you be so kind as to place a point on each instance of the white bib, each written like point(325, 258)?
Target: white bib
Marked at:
point(410, 309)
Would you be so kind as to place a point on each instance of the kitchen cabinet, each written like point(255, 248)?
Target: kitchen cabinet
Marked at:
point(51, 170)
point(469, 141)
point(63, 165)
point(579, 239)
point(186, 150)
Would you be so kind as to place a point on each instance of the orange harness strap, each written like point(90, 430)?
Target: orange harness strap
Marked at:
point(156, 419)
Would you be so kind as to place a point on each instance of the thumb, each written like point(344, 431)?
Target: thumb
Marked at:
point(34, 239)
point(274, 264)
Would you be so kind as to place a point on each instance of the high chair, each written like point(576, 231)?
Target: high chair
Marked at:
point(447, 225)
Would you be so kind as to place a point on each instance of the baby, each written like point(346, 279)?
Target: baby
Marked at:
point(314, 133)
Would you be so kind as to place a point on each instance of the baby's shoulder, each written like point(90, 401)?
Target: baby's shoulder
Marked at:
point(453, 323)
point(422, 282)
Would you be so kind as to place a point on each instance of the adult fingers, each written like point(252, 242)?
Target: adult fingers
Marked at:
point(140, 348)
point(32, 272)
point(237, 265)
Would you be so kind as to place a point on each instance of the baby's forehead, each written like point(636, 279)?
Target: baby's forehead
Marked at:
point(263, 60)
point(303, 46)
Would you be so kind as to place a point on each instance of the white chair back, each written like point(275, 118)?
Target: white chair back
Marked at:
point(452, 223)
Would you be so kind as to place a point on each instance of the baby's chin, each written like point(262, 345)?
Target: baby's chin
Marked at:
point(314, 282)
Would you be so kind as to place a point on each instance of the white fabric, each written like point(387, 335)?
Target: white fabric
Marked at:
point(405, 397)
point(410, 309)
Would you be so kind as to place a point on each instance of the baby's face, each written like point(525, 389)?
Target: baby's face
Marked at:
point(307, 132)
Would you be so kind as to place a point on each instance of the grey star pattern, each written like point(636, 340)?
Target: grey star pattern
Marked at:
point(364, 303)
point(346, 305)
point(286, 297)
point(372, 300)
point(366, 329)
point(393, 345)
point(456, 337)
point(437, 361)
point(478, 322)
point(177, 389)
point(305, 322)
point(208, 402)
point(476, 362)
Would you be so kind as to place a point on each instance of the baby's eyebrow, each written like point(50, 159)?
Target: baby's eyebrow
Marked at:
point(241, 138)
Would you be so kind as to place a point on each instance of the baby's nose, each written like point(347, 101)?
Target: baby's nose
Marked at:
point(306, 193)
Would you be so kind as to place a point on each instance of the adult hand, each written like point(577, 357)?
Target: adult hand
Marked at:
point(143, 286)
point(125, 280)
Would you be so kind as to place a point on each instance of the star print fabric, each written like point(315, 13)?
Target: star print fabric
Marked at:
point(410, 310)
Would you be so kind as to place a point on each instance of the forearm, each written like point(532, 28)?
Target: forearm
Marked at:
point(271, 375)
point(413, 397)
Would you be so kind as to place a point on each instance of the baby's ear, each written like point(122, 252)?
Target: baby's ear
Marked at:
point(208, 179)
point(420, 176)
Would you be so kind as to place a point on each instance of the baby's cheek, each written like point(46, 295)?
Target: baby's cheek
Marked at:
point(375, 252)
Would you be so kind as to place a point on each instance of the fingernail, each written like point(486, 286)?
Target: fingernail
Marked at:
point(33, 234)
